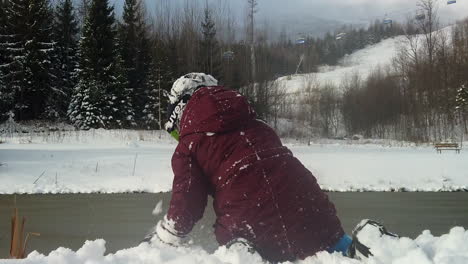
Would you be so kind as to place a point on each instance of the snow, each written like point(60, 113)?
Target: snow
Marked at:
point(86, 162)
point(425, 249)
point(118, 161)
point(158, 209)
point(362, 62)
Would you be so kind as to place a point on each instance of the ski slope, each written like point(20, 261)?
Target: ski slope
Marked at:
point(362, 62)
point(116, 161)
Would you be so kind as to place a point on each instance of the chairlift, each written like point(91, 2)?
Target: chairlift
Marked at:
point(420, 16)
point(228, 55)
point(388, 21)
point(340, 35)
point(300, 40)
point(449, 2)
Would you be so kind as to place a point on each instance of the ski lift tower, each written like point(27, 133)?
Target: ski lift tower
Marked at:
point(301, 42)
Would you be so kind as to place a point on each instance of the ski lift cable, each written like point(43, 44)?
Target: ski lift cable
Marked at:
point(398, 12)
point(389, 13)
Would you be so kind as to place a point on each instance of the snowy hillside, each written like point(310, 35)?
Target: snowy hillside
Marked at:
point(361, 62)
point(114, 161)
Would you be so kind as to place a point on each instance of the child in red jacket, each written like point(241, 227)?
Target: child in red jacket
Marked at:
point(262, 194)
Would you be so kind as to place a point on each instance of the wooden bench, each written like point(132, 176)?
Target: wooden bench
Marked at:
point(447, 146)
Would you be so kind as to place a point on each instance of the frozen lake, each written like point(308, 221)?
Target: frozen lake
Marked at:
point(123, 219)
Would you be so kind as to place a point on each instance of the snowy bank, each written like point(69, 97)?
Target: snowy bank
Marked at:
point(118, 161)
point(451, 248)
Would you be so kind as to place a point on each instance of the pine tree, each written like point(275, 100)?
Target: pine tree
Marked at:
point(28, 57)
point(65, 35)
point(209, 53)
point(13, 30)
point(2, 14)
point(82, 11)
point(101, 97)
point(40, 81)
point(462, 98)
point(5, 95)
point(134, 46)
point(4, 100)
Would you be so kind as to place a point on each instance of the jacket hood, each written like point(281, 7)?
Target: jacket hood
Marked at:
point(215, 110)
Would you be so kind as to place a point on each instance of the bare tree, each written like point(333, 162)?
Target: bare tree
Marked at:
point(83, 7)
point(251, 11)
point(429, 26)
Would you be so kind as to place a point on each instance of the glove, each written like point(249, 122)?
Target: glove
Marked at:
point(166, 233)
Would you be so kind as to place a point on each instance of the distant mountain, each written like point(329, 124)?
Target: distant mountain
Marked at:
point(307, 25)
point(297, 24)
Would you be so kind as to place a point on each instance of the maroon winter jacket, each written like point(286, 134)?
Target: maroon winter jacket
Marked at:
point(261, 191)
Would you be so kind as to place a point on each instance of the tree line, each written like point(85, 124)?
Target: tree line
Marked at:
point(78, 62)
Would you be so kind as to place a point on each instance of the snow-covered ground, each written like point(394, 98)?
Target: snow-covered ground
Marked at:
point(139, 161)
point(126, 161)
point(451, 248)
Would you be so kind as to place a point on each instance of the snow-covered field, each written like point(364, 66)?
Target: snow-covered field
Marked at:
point(139, 161)
point(451, 248)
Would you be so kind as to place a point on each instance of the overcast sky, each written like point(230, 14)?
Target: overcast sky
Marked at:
point(340, 10)
point(353, 10)
point(290, 14)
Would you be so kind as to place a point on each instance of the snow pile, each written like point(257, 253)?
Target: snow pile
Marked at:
point(426, 249)
point(449, 248)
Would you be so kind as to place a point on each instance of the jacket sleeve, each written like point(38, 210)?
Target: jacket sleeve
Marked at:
point(189, 192)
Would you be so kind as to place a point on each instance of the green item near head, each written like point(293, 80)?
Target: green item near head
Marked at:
point(175, 134)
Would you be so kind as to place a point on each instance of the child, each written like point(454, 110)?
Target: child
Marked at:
point(263, 195)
